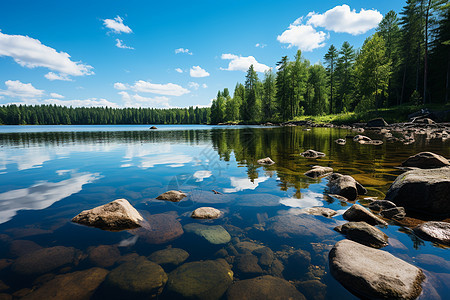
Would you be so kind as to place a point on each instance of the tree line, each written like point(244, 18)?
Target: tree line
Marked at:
point(406, 61)
point(55, 115)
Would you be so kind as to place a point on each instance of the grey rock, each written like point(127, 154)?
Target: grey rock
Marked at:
point(291, 226)
point(215, 234)
point(319, 211)
point(358, 213)
point(433, 231)
point(312, 154)
point(340, 141)
point(265, 161)
point(169, 256)
point(345, 185)
point(173, 196)
point(361, 138)
point(379, 205)
point(363, 233)
point(206, 213)
point(373, 273)
point(319, 171)
point(397, 213)
point(426, 160)
point(159, 229)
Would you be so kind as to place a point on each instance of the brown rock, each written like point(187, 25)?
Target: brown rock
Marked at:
point(426, 160)
point(364, 233)
point(345, 185)
point(312, 154)
point(206, 213)
point(104, 255)
point(159, 229)
point(438, 232)
point(358, 213)
point(173, 196)
point(319, 171)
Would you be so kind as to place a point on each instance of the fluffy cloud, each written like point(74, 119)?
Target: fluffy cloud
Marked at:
point(120, 86)
point(194, 85)
point(119, 44)
point(91, 102)
point(168, 89)
point(242, 63)
point(197, 71)
point(53, 76)
point(116, 25)
point(305, 37)
point(343, 19)
point(204, 86)
point(179, 70)
point(56, 96)
point(31, 53)
point(182, 50)
point(258, 45)
point(140, 101)
point(17, 89)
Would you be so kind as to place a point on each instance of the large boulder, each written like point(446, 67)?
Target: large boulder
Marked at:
point(319, 171)
point(438, 232)
point(345, 185)
point(374, 274)
point(172, 196)
point(215, 234)
point(378, 122)
point(247, 265)
point(76, 285)
point(159, 229)
point(206, 213)
point(115, 216)
point(264, 287)
point(363, 233)
point(425, 191)
point(206, 280)
point(358, 213)
point(426, 160)
point(169, 256)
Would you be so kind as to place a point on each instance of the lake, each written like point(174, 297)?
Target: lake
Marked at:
point(49, 174)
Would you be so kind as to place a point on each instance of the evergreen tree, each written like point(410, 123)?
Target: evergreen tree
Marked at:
point(330, 60)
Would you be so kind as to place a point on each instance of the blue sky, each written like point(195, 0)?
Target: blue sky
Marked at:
point(162, 53)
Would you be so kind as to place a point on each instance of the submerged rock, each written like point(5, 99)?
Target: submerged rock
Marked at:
point(159, 229)
point(76, 285)
point(312, 154)
point(426, 160)
point(312, 289)
point(206, 213)
point(433, 231)
point(298, 264)
point(374, 274)
point(21, 247)
point(291, 226)
point(340, 141)
point(265, 161)
point(247, 265)
point(358, 213)
point(425, 191)
point(319, 171)
point(215, 234)
point(206, 280)
point(345, 185)
point(264, 287)
point(319, 211)
point(115, 216)
point(169, 256)
point(104, 255)
point(364, 233)
point(173, 196)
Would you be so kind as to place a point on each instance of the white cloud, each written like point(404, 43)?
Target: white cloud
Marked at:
point(258, 45)
point(242, 63)
point(240, 184)
point(116, 25)
point(53, 76)
point(91, 102)
point(179, 70)
point(342, 19)
point(119, 44)
point(31, 53)
point(194, 85)
point(197, 71)
point(204, 86)
point(200, 175)
point(182, 50)
point(140, 101)
point(141, 86)
point(305, 37)
point(57, 96)
point(17, 89)
point(309, 199)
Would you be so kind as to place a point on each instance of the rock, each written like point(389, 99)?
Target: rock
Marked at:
point(433, 231)
point(291, 226)
point(247, 247)
point(298, 263)
point(114, 216)
point(76, 285)
point(364, 233)
point(345, 185)
point(426, 121)
point(318, 171)
point(264, 287)
point(139, 278)
point(319, 211)
point(313, 289)
point(43, 260)
point(206, 213)
point(378, 122)
point(361, 138)
point(173, 196)
point(425, 191)
point(265, 161)
point(104, 255)
point(396, 213)
point(265, 256)
point(358, 213)
point(340, 141)
point(312, 154)
point(169, 256)
point(215, 234)
point(426, 160)
point(153, 127)
point(379, 205)
point(374, 274)
point(21, 247)
point(159, 229)
point(206, 280)
point(247, 265)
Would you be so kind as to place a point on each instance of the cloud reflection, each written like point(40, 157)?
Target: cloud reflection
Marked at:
point(309, 199)
point(240, 184)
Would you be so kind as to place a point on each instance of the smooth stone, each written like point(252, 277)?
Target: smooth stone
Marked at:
point(364, 233)
point(426, 160)
point(433, 231)
point(319, 171)
point(318, 211)
point(379, 205)
point(265, 161)
point(247, 265)
point(159, 229)
point(264, 287)
point(312, 289)
point(203, 280)
point(291, 226)
point(396, 213)
point(43, 260)
point(425, 191)
point(361, 139)
point(373, 273)
point(358, 213)
point(247, 247)
point(345, 185)
point(139, 278)
point(312, 154)
point(265, 256)
point(104, 255)
point(153, 127)
point(115, 216)
point(434, 262)
point(173, 196)
point(206, 213)
point(169, 256)
point(378, 122)
point(340, 141)
point(76, 285)
point(215, 234)
point(22, 247)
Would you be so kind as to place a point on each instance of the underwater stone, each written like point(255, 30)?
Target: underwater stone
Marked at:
point(364, 233)
point(159, 229)
point(169, 256)
point(104, 255)
point(215, 234)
